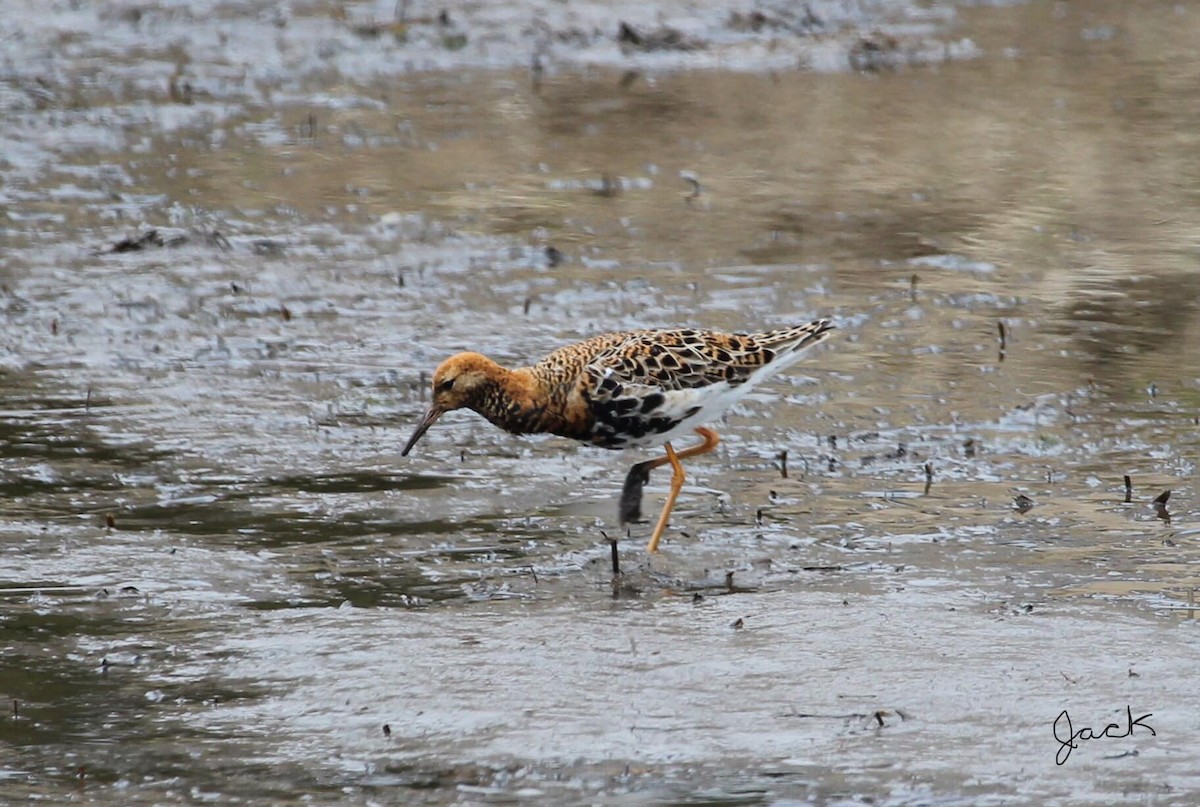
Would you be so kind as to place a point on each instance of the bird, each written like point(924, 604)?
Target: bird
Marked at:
point(627, 389)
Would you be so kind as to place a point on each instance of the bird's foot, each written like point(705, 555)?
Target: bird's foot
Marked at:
point(630, 508)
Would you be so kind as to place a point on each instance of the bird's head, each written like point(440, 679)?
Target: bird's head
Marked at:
point(458, 382)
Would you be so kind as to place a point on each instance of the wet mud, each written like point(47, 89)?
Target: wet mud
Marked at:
point(238, 238)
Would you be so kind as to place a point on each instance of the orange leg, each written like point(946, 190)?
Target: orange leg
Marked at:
point(710, 442)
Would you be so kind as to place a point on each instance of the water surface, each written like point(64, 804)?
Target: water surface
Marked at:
point(220, 581)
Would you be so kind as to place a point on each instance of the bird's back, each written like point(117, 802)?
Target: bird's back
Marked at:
point(637, 387)
point(567, 363)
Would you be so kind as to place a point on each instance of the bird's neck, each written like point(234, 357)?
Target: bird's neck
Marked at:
point(516, 401)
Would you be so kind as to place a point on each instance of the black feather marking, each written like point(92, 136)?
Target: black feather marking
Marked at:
point(661, 425)
point(652, 401)
point(616, 432)
point(634, 427)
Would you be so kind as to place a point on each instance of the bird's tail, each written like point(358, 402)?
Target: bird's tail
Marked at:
point(795, 339)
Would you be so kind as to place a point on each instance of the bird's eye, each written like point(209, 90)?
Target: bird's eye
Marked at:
point(446, 385)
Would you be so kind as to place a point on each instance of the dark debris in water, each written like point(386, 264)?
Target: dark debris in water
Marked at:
point(662, 38)
point(1160, 506)
point(797, 19)
point(876, 52)
point(156, 237)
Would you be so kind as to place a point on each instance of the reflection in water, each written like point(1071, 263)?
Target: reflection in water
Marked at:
point(218, 570)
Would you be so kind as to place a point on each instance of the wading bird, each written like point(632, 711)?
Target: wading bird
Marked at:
point(632, 389)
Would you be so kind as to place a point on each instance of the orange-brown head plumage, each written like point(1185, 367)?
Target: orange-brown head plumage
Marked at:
point(462, 378)
point(473, 381)
point(457, 382)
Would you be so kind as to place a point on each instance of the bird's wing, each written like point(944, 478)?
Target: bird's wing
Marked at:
point(645, 383)
point(669, 361)
point(652, 380)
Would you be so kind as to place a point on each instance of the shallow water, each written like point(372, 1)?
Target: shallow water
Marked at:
point(220, 581)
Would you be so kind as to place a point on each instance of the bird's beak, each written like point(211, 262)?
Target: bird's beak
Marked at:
point(432, 415)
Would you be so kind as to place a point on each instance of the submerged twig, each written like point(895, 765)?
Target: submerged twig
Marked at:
point(1160, 506)
point(535, 73)
point(691, 178)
